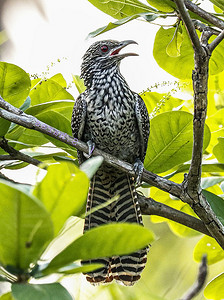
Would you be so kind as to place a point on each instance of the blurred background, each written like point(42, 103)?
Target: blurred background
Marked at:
point(42, 32)
point(46, 37)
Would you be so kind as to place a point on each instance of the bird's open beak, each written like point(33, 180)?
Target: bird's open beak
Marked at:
point(115, 52)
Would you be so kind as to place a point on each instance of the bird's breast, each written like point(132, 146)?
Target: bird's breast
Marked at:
point(112, 124)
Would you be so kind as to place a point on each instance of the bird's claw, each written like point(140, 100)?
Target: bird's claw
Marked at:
point(138, 169)
point(91, 147)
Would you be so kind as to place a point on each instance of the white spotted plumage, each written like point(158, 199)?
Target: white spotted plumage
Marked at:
point(115, 119)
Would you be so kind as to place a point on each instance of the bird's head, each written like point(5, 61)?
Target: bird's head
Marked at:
point(103, 55)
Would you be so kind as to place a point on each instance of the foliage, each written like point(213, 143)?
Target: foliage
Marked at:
point(35, 219)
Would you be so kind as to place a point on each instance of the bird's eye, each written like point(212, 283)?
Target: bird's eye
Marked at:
point(104, 48)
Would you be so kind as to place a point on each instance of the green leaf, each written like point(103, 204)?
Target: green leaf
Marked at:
point(25, 226)
point(57, 120)
point(182, 230)
point(218, 3)
point(29, 138)
point(173, 48)
point(54, 118)
point(163, 5)
point(171, 140)
point(26, 104)
point(48, 90)
point(147, 16)
point(55, 113)
point(216, 203)
point(25, 138)
point(218, 10)
point(207, 182)
point(121, 9)
point(3, 278)
point(7, 296)
point(160, 102)
point(60, 158)
point(14, 84)
point(40, 291)
point(215, 289)
point(79, 83)
point(216, 62)
point(207, 245)
point(104, 241)
point(207, 166)
point(216, 125)
point(218, 150)
point(63, 192)
point(91, 165)
point(45, 158)
point(182, 65)
point(63, 107)
point(23, 107)
point(59, 79)
point(74, 268)
point(4, 126)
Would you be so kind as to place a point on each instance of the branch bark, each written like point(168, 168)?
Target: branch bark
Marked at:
point(204, 14)
point(189, 26)
point(148, 206)
point(15, 154)
point(215, 43)
point(13, 114)
point(191, 185)
point(152, 207)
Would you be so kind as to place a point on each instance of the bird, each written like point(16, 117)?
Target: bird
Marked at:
point(108, 115)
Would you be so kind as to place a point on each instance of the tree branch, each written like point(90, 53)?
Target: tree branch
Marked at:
point(15, 154)
point(152, 207)
point(6, 157)
point(204, 14)
point(191, 185)
point(201, 27)
point(189, 26)
point(200, 281)
point(15, 115)
point(216, 41)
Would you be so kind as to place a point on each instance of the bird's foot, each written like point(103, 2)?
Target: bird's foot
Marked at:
point(138, 168)
point(91, 147)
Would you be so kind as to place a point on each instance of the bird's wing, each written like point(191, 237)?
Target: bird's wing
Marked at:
point(79, 120)
point(79, 116)
point(143, 125)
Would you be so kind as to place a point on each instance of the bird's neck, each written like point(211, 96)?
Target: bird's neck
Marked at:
point(104, 78)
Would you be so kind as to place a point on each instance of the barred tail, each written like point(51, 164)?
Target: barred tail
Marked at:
point(127, 268)
point(104, 186)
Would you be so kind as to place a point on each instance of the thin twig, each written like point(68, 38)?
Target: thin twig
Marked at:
point(216, 41)
point(178, 190)
point(17, 155)
point(6, 157)
point(189, 25)
point(204, 14)
point(152, 207)
point(200, 281)
point(201, 27)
